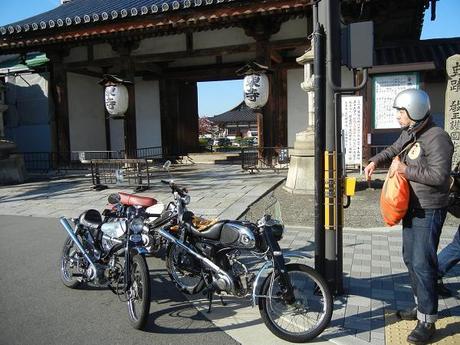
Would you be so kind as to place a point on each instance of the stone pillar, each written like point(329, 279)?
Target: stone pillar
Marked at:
point(452, 106)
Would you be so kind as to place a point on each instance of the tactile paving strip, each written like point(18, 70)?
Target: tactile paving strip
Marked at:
point(396, 330)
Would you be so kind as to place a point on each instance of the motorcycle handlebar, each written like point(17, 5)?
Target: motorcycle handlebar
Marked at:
point(176, 188)
point(150, 215)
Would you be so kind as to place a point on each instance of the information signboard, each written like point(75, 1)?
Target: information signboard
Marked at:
point(385, 88)
point(352, 125)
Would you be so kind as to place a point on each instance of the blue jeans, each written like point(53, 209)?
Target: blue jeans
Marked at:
point(421, 232)
point(450, 255)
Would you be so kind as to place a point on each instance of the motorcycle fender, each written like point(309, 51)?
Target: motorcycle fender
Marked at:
point(266, 269)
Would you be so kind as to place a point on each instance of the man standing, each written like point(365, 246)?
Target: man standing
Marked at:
point(448, 258)
point(426, 164)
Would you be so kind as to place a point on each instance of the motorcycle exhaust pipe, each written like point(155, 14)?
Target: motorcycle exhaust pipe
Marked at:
point(65, 223)
point(204, 260)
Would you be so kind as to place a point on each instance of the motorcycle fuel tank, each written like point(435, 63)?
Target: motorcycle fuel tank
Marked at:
point(238, 234)
point(114, 229)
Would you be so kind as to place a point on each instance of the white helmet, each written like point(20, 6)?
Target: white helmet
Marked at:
point(415, 102)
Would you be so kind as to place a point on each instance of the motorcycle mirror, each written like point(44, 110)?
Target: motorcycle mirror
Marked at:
point(167, 165)
point(114, 198)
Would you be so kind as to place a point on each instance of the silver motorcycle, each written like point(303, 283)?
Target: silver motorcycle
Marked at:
point(106, 251)
point(212, 258)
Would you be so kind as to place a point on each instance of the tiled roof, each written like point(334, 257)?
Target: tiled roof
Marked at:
point(77, 12)
point(434, 50)
point(241, 113)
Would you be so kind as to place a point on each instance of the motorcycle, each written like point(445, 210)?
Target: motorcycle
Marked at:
point(109, 252)
point(206, 256)
point(156, 214)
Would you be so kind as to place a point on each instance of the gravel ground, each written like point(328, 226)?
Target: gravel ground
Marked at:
point(364, 210)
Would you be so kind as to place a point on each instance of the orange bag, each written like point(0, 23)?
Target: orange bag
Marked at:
point(394, 200)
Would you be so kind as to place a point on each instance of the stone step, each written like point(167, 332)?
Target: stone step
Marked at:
point(216, 157)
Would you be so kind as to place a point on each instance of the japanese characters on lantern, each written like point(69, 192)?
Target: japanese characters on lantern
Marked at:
point(256, 90)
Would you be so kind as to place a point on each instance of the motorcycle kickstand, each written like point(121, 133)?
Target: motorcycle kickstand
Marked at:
point(222, 301)
point(210, 296)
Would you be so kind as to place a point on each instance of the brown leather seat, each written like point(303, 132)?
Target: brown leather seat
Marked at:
point(133, 200)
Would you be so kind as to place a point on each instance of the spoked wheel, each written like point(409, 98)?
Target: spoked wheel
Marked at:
point(180, 266)
point(139, 293)
point(307, 316)
point(70, 257)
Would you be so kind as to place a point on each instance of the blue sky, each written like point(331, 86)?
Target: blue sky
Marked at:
point(218, 97)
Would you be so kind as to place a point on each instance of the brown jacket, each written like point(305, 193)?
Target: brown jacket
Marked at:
point(428, 160)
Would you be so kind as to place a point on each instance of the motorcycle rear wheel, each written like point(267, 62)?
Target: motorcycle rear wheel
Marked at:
point(69, 252)
point(186, 281)
point(308, 316)
point(139, 293)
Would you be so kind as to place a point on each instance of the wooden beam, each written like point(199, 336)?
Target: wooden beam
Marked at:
point(276, 57)
point(225, 50)
point(408, 67)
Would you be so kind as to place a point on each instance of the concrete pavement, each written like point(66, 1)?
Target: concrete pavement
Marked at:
point(222, 191)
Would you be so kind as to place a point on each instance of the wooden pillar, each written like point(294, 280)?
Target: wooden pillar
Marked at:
point(263, 57)
point(168, 106)
point(127, 72)
point(60, 121)
point(261, 30)
point(367, 120)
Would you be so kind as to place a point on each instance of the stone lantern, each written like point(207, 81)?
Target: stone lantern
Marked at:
point(12, 168)
point(301, 174)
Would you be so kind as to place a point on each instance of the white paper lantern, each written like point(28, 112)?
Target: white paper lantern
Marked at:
point(116, 99)
point(256, 90)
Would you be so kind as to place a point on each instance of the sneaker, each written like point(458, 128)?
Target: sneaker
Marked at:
point(422, 333)
point(442, 290)
point(410, 314)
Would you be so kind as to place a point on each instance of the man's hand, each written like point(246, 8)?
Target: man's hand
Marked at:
point(369, 170)
point(397, 166)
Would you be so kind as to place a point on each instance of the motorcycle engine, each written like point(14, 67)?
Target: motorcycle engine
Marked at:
point(107, 244)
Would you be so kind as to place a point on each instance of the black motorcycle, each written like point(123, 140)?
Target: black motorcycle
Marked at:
point(210, 257)
point(108, 251)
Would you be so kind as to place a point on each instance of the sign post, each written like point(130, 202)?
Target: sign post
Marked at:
point(452, 106)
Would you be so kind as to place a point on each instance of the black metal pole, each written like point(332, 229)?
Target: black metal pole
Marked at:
point(320, 124)
point(333, 191)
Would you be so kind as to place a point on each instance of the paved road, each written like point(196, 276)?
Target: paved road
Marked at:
point(36, 308)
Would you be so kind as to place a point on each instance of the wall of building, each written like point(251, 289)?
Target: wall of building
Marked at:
point(148, 119)
point(437, 93)
point(117, 135)
point(76, 54)
point(292, 29)
point(27, 120)
point(297, 104)
point(220, 38)
point(86, 113)
point(163, 44)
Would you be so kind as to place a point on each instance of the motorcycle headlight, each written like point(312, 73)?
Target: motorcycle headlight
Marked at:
point(137, 224)
point(186, 199)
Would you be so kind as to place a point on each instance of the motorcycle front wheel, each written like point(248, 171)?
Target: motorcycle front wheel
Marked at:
point(139, 293)
point(307, 316)
point(184, 270)
point(69, 271)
